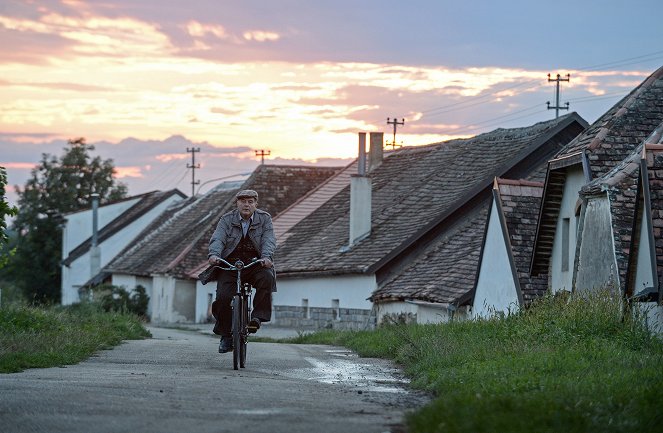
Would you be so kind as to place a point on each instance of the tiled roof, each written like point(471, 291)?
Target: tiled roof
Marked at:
point(175, 232)
point(655, 176)
point(178, 242)
point(520, 203)
point(606, 143)
point(278, 188)
point(311, 201)
point(446, 271)
point(414, 190)
point(621, 185)
point(146, 203)
point(615, 134)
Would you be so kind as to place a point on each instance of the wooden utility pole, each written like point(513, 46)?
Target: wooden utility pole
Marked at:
point(262, 153)
point(193, 168)
point(557, 107)
point(396, 123)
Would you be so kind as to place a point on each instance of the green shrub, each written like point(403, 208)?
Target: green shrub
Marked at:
point(117, 299)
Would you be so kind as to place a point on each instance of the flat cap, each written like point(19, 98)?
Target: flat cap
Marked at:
point(247, 193)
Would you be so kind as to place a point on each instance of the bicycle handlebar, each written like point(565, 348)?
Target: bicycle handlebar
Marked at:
point(238, 266)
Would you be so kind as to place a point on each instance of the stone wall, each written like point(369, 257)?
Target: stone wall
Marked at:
point(322, 318)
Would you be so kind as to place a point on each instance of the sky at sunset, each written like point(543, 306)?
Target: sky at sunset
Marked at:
point(145, 80)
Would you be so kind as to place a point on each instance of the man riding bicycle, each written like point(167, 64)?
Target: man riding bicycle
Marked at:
point(243, 234)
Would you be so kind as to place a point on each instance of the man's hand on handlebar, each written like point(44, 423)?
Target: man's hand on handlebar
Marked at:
point(214, 260)
point(266, 263)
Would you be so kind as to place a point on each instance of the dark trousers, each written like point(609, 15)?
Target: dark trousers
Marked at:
point(262, 279)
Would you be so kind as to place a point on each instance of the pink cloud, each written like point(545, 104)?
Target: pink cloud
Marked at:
point(18, 165)
point(123, 172)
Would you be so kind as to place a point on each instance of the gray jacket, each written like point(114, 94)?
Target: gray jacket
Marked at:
point(228, 233)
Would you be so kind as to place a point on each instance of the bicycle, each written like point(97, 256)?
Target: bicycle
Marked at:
point(241, 310)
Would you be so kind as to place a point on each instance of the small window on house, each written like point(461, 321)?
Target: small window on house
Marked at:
point(305, 308)
point(566, 222)
point(336, 312)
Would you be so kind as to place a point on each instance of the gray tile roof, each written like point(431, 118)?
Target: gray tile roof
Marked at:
point(178, 242)
point(145, 203)
point(308, 203)
point(606, 143)
point(621, 185)
point(415, 190)
point(627, 124)
point(520, 203)
point(655, 177)
point(446, 271)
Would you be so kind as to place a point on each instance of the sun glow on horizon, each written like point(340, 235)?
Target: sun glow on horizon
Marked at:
point(146, 86)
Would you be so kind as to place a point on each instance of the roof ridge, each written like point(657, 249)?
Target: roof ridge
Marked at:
point(518, 182)
point(147, 237)
point(152, 198)
point(536, 141)
point(627, 102)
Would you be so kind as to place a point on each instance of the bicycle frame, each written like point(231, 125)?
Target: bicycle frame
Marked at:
point(241, 308)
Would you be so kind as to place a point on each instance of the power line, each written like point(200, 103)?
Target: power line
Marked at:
point(557, 107)
point(166, 171)
point(490, 122)
point(480, 99)
point(396, 123)
point(623, 62)
point(221, 178)
point(193, 168)
point(182, 178)
point(472, 101)
point(262, 153)
point(596, 97)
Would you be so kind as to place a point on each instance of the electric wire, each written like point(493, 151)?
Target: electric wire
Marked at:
point(182, 178)
point(481, 99)
point(474, 101)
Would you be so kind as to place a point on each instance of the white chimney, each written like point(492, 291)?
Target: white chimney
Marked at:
point(375, 153)
point(360, 196)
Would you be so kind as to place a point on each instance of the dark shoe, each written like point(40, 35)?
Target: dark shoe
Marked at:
point(226, 345)
point(254, 325)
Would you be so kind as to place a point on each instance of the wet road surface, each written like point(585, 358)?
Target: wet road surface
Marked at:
point(178, 382)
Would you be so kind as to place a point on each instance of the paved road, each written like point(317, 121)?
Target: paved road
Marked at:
point(177, 382)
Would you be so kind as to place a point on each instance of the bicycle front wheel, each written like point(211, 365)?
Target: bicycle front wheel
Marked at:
point(237, 330)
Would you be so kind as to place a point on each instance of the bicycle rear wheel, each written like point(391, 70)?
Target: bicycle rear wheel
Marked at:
point(237, 330)
point(244, 333)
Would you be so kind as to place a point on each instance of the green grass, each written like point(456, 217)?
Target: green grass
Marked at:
point(47, 337)
point(564, 365)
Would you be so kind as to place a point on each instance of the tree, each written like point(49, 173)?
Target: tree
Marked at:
point(5, 211)
point(57, 186)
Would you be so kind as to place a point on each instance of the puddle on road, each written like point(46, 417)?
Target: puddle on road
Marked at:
point(346, 368)
point(258, 412)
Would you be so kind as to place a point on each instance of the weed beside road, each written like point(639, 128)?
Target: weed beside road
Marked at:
point(564, 365)
point(46, 337)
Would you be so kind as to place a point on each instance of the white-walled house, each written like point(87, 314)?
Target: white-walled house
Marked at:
point(118, 223)
point(167, 254)
point(621, 228)
point(503, 285)
point(402, 241)
point(594, 153)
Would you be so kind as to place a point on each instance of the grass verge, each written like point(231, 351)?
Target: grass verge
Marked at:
point(47, 337)
point(566, 364)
